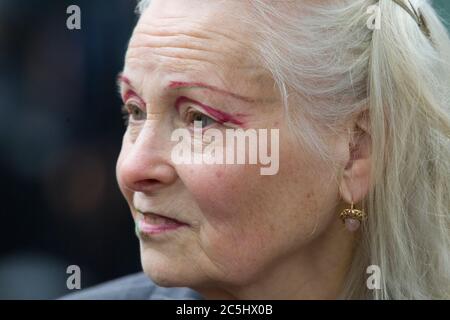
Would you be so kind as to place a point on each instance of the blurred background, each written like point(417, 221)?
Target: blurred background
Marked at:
point(60, 135)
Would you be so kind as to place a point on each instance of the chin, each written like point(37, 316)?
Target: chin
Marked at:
point(166, 271)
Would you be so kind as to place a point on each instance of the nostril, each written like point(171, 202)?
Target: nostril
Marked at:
point(147, 185)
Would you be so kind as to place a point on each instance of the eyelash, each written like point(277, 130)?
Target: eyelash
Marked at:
point(188, 116)
point(127, 110)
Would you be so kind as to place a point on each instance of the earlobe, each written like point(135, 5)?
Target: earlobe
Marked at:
point(355, 182)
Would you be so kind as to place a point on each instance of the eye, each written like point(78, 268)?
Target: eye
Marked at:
point(133, 113)
point(194, 115)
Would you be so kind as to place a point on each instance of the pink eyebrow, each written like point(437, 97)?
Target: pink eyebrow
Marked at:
point(122, 78)
point(129, 92)
point(220, 116)
point(180, 84)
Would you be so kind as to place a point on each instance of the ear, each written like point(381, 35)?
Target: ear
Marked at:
point(355, 182)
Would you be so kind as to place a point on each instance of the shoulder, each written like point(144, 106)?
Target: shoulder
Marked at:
point(132, 287)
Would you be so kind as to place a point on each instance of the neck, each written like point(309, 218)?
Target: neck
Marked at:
point(316, 271)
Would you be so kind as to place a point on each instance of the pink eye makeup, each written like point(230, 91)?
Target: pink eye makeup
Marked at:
point(189, 109)
point(219, 116)
point(180, 84)
point(131, 94)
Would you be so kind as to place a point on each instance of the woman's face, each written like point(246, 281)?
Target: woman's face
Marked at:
point(240, 224)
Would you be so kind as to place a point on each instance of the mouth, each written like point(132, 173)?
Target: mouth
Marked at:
point(153, 223)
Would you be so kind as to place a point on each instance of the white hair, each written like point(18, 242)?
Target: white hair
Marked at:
point(330, 67)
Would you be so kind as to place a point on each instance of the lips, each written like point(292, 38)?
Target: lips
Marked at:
point(156, 219)
point(153, 223)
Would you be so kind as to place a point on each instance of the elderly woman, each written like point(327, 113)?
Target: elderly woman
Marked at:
point(355, 96)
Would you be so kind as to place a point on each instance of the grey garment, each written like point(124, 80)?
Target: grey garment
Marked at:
point(133, 287)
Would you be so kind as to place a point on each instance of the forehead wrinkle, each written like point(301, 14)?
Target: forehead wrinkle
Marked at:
point(153, 48)
point(171, 63)
point(172, 50)
point(256, 76)
point(160, 29)
point(143, 51)
point(194, 44)
point(197, 30)
point(177, 45)
point(144, 40)
point(149, 55)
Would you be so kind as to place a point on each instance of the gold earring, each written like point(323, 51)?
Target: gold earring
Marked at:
point(352, 218)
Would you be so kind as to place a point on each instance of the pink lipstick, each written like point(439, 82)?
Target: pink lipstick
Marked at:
point(151, 223)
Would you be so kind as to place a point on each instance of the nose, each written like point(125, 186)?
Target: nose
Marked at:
point(144, 165)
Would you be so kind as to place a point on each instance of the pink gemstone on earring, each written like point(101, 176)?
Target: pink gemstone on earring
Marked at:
point(352, 224)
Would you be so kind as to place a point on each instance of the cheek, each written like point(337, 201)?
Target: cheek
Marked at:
point(220, 191)
point(232, 217)
point(249, 220)
point(246, 209)
point(245, 219)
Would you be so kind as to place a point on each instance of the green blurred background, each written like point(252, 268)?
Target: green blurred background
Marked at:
point(444, 7)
